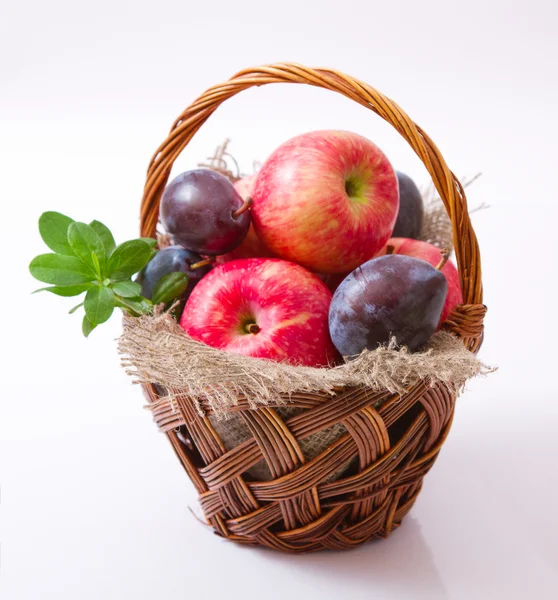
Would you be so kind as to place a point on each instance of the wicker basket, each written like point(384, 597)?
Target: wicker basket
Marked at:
point(391, 441)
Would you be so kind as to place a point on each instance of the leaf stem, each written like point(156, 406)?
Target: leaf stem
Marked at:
point(97, 266)
point(73, 310)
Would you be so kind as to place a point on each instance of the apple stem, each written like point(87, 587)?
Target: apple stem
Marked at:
point(253, 328)
point(239, 211)
point(445, 256)
point(390, 249)
point(201, 263)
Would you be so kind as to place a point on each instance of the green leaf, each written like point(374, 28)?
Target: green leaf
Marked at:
point(106, 236)
point(67, 290)
point(169, 287)
point(128, 258)
point(152, 242)
point(127, 289)
point(99, 304)
point(53, 228)
point(97, 264)
point(84, 242)
point(73, 310)
point(135, 306)
point(86, 326)
point(60, 270)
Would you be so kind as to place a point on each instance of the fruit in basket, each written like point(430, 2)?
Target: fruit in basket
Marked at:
point(262, 307)
point(390, 296)
point(327, 200)
point(251, 246)
point(245, 186)
point(431, 254)
point(203, 212)
point(174, 259)
point(411, 209)
point(333, 280)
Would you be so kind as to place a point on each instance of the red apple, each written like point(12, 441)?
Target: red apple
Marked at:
point(245, 186)
point(327, 200)
point(430, 254)
point(262, 307)
point(251, 246)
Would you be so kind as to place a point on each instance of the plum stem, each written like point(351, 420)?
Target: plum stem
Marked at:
point(390, 249)
point(253, 328)
point(201, 263)
point(239, 211)
point(445, 256)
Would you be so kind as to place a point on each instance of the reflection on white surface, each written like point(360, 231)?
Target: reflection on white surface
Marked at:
point(112, 510)
point(394, 566)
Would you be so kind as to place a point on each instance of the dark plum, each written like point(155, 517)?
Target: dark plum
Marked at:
point(411, 209)
point(203, 212)
point(172, 260)
point(392, 295)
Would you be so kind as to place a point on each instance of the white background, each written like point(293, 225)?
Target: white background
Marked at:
point(93, 502)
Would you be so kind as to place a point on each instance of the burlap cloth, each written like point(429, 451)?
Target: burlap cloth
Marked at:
point(156, 350)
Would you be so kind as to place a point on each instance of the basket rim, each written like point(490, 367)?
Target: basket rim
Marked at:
point(446, 183)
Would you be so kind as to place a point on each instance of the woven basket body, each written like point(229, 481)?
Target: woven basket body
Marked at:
point(368, 478)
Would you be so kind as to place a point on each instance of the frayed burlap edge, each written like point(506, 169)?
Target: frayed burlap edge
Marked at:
point(436, 224)
point(155, 349)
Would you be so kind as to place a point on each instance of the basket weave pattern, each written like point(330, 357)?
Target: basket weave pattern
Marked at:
point(391, 441)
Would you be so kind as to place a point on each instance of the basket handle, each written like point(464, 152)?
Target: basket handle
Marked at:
point(448, 186)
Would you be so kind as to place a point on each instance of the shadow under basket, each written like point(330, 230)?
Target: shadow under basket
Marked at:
point(270, 486)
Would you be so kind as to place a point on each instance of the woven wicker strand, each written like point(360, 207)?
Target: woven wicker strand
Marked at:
point(366, 481)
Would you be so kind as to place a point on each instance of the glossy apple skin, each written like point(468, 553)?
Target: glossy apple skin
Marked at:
point(288, 304)
point(327, 200)
point(245, 186)
point(251, 246)
point(431, 254)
